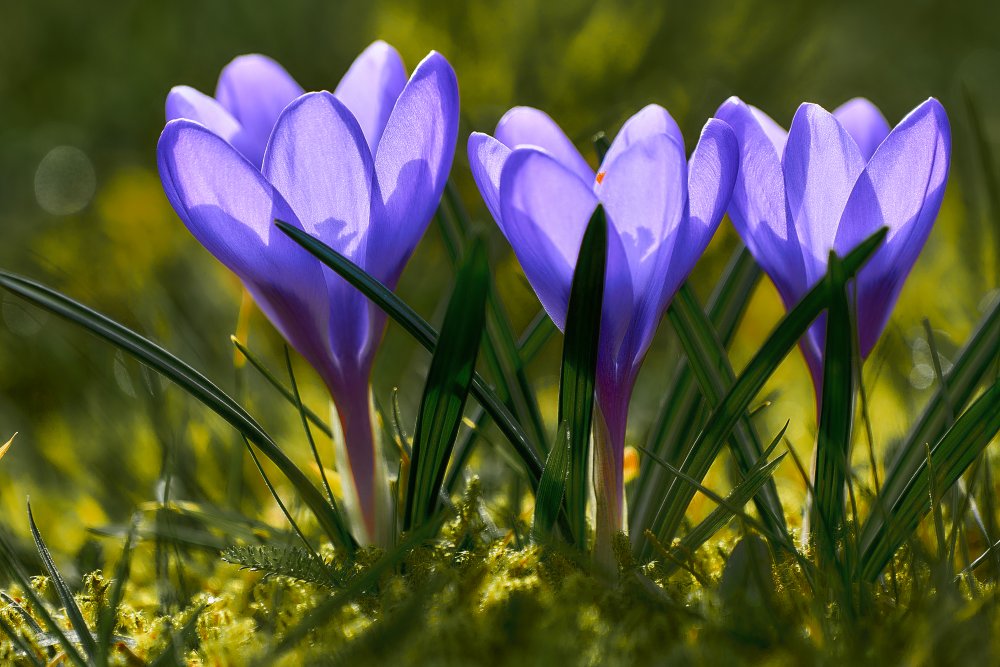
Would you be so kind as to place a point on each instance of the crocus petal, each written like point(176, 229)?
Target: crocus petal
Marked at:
point(757, 208)
point(230, 208)
point(255, 90)
point(777, 134)
point(821, 165)
point(186, 102)
point(319, 161)
point(412, 163)
point(526, 126)
point(711, 177)
point(864, 122)
point(371, 87)
point(650, 121)
point(901, 188)
point(545, 208)
point(487, 157)
point(644, 192)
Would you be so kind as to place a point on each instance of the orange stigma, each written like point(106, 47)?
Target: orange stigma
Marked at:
point(600, 177)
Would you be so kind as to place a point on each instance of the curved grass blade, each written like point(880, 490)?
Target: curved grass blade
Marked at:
point(682, 411)
point(424, 334)
point(579, 366)
point(833, 440)
point(886, 530)
point(710, 364)
point(69, 604)
point(552, 486)
point(720, 424)
point(971, 366)
point(272, 380)
point(448, 382)
point(194, 383)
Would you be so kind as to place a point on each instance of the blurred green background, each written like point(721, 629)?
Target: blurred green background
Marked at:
point(82, 87)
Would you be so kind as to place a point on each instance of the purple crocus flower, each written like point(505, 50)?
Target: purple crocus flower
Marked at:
point(252, 92)
point(363, 170)
point(662, 211)
point(829, 182)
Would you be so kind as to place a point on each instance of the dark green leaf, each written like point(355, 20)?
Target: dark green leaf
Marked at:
point(552, 487)
point(579, 366)
point(448, 382)
point(833, 440)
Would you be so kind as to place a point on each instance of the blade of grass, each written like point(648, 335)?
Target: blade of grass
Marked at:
point(710, 364)
point(266, 373)
point(833, 440)
point(69, 604)
point(305, 427)
point(195, 384)
point(552, 486)
point(736, 401)
point(424, 334)
point(884, 532)
point(448, 382)
point(579, 366)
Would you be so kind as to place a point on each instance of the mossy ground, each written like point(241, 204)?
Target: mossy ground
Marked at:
point(473, 597)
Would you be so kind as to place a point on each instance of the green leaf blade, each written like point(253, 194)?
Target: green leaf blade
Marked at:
point(449, 381)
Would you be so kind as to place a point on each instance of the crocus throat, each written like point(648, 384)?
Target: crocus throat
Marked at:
point(600, 177)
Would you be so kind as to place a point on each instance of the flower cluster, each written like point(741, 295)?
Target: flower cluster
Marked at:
point(363, 170)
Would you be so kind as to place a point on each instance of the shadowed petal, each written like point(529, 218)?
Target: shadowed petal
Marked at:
point(864, 122)
point(901, 188)
point(229, 207)
point(545, 208)
point(644, 192)
point(319, 161)
point(371, 87)
point(412, 163)
point(255, 90)
point(757, 208)
point(650, 121)
point(711, 176)
point(821, 164)
point(487, 157)
point(526, 126)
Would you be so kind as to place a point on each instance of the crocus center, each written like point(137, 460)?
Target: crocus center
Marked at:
point(600, 177)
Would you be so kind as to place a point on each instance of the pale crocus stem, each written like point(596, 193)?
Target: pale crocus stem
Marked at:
point(609, 486)
point(361, 467)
